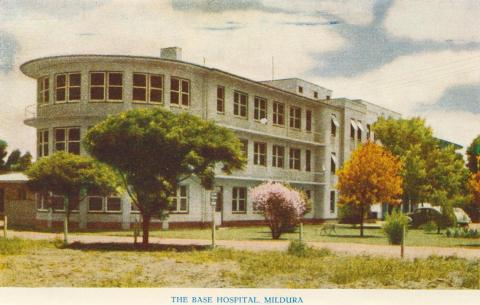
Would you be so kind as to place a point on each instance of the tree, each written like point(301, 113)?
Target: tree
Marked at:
point(155, 149)
point(282, 206)
point(72, 177)
point(473, 151)
point(430, 172)
point(16, 161)
point(3, 153)
point(372, 175)
point(473, 208)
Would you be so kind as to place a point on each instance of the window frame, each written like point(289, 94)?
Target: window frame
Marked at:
point(334, 124)
point(278, 156)
point(308, 160)
point(66, 139)
point(245, 146)
point(278, 115)
point(260, 106)
point(221, 99)
point(308, 120)
point(236, 199)
point(294, 158)
point(332, 201)
point(43, 95)
point(295, 117)
point(148, 88)
point(106, 86)
point(42, 143)
point(178, 199)
point(333, 163)
point(259, 156)
point(180, 92)
point(238, 106)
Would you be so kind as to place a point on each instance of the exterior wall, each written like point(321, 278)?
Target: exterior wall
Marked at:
point(20, 211)
point(203, 103)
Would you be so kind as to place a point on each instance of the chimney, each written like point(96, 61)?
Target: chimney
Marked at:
point(171, 53)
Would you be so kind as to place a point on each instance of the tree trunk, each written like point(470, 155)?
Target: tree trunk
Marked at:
point(145, 228)
point(361, 220)
point(65, 220)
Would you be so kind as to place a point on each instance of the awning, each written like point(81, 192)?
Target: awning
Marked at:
point(360, 126)
point(335, 121)
point(354, 125)
point(334, 158)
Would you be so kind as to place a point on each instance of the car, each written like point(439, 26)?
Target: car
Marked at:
point(424, 215)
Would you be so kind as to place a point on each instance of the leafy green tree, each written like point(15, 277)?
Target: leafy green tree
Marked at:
point(3, 154)
point(473, 151)
point(16, 161)
point(72, 177)
point(155, 149)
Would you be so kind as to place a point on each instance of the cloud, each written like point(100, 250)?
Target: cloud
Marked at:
point(439, 20)
point(459, 98)
point(8, 48)
point(56, 8)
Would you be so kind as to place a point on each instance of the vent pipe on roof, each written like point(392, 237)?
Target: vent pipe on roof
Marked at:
point(171, 53)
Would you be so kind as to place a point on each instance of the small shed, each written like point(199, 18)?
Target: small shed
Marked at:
point(16, 201)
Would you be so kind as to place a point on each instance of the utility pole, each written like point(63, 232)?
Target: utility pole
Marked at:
point(213, 204)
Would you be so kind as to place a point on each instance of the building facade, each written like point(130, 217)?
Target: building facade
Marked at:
point(292, 130)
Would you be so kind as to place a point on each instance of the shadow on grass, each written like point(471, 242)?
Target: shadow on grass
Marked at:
point(131, 247)
point(352, 236)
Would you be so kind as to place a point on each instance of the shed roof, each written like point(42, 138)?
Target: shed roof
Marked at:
point(13, 178)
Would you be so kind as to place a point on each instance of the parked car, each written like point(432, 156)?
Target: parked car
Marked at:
point(424, 215)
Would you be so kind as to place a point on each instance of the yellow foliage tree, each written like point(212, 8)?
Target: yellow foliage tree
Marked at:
point(372, 175)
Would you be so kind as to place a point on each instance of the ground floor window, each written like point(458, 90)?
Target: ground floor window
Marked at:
point(180, 201)
point(56, 202)
point(99, 204)
point(332, 201)
point(239, 200)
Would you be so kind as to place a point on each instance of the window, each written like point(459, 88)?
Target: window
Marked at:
point(260, 153)
point(114, 204)
point(300, 89)
point(369, 132)
point(308, 120)
point(295, 117)
point(67, 139)
point(353, 129)
point(240, 104)
point(260, 108)
point(278, 113)
point(67, 87)
point(244, 146)
point(294, 158)
point(220, 99)
point(328, 97)
point(58, 203)
point(315, 94)
point(308, 160)
point(41, 202)
point(334, 125)
point(95, 204)
point(309, 194)
point(359, 131)
point(180, 201)
point(43, 90)
point(106, 86)
point(147, 88)
point(42, 143)
point(332, 201)
point(333, 163)
point(180, 92)
point(278, 156)
point(239, 200)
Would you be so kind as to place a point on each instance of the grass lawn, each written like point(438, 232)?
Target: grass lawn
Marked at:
point(311, 233)
point(44, 264)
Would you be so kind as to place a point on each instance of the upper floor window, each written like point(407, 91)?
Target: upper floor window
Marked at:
point(369, 132)
point(353, 129)
point(295, 117)
point(239, 199)
point(300, 89)
point(334, 124)
point(180, 200)
point(308, 120)
point(42, 143)
point(260, 153)
point(106, 86)
point(315, 94)
point(180, 91)
point(328, 97)
point(240, 104)
point(43, 90)
point(67, 87)
point(278, 156)
point(260, 108)
point(147, 88)
point(67, 139)
point(244, 147)
point(333, 163)
point(220, 99)
point(294, 158)
point(308, 160)
point(278, 113)
point(359, 130)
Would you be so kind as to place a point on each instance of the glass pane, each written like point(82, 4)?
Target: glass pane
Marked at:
point(74, 203)
point(140, 80)
point(220, 92)
point(185, 99)
point(174, 204)
point(46, 83)
point(174, 97)
point(156, 95)
point(97, 79)
point(74, 134)
point(183, 191)
point(45, 96)
point(74, 148)
point(183, 204)
point(45, 149)
point(115, 79)
point(156, 81)
point(74, 79)
point(115, 93)
point(174, 84)
point(60, 80)
point(60, 134)
point(57, 203)
point(96, 93)
point(45, 136)
point(185, 86)
point(95, 203)
point(114, 204)
point(241, 204)
point(74, 94)
point(60, 94)
point(139, 94)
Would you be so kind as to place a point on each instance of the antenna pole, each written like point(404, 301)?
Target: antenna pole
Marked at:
point(273, 69)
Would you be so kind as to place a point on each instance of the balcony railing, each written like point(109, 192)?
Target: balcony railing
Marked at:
point(31, 112)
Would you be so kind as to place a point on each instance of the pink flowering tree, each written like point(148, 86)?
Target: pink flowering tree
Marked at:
point(282, 206)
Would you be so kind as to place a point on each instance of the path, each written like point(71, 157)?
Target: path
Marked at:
point(343, 248)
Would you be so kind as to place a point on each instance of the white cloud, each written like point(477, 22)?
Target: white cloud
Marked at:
point(436, 20)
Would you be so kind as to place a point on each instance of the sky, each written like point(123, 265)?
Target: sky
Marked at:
point(420, 58)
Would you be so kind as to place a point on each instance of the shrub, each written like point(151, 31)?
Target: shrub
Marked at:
point(298, 248)
point(428, 227)
point(349, 214)
point(456, 232)
point(282, 206)
point(393, 227)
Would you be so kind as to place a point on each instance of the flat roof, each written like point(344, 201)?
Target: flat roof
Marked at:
point(13, 178)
